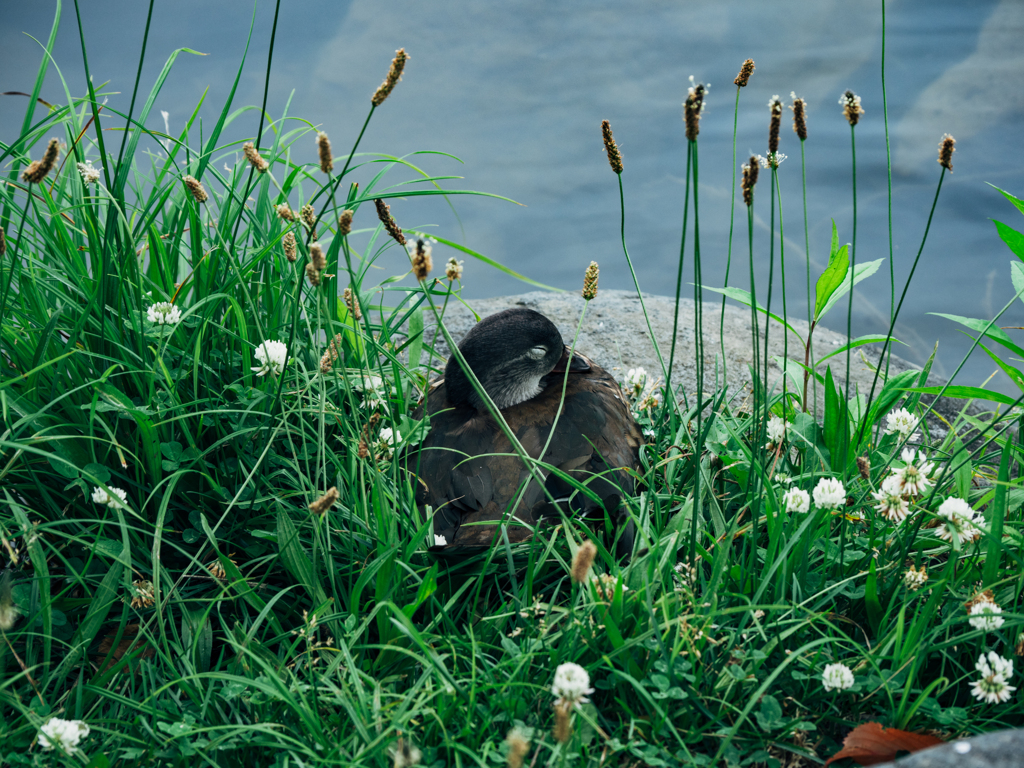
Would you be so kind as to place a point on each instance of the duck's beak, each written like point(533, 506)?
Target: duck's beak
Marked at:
point(573, 363)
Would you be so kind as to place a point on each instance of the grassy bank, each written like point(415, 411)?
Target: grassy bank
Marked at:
point(212, 555)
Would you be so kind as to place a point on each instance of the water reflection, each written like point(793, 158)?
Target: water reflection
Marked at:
point(518, 90)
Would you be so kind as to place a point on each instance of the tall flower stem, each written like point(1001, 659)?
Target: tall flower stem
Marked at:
point(698, 344)
point(636, 284)
point(771, 275)
point(679, 278)
point(782, 267)
point(899, 306)
point(888, 170)
point(849, 307)
point(757, 433)
point(732, 212)
point(807, 262)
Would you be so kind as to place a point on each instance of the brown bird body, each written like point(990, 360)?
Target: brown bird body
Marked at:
point(470, 476)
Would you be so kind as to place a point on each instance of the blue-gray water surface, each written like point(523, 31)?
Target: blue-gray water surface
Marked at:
point(517, 90)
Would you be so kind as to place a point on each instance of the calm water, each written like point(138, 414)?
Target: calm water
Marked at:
point(517, 90)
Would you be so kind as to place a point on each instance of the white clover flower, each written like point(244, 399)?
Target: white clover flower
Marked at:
point(164, 313)
point(440, 541)
point(777, 429)
point(903, 423)
point(913, 477)
point(63, 734)
point(390, 438)
point(958, 520)
point(985, 616)
point(829, 493)
point(8, 614)
point(116, 498)
point(837, 677)
point(796, 500)
point(636, 380)
point(914, 579)
point(271, 356)
point(995, 674)
point(994, 664)
point(89, 174)
point(891, 503)
point(571, 685)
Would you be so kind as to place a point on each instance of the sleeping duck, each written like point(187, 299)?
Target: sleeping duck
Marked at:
point(467, 470)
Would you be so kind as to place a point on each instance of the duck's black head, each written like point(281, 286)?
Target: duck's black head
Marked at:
point(510, 353)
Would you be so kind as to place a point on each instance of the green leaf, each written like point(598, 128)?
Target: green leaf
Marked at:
point(1015, 200)
point(147, 430)
point(860, 272)
point(295, 559)
point(102, 599)
point(832, 277)
point(769, 718)
point(871, 601)
point(474, 254)
point(995, 515)
point(1017, 276)
point(963, 468)
point(858, 342)
point(743, 297)
point(1013, 239)
point(966, 393)
point(837, 423)
point(986, 328)
point(416, 335)
point(427, 587)
point(1015, 374)
point(892, 391)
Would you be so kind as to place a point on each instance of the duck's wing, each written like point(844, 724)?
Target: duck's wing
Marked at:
point(597, 443)
point(467, 473)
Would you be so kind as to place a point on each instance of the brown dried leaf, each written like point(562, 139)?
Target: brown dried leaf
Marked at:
point(870, 744)
point(130, 642)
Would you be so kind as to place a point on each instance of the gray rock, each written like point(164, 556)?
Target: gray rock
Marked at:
point(614, 334)
point(1001, 749)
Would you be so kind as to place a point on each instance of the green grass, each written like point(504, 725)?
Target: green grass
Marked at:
point(213, 619)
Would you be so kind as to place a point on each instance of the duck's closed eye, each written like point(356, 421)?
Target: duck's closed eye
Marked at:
point(537, 353)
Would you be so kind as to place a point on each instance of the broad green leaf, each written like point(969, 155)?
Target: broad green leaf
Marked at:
point(1017, 276)
point(832, 277)
point(295, 559)
point(1015, 374)
point(769, 718)
point(966, 393)
point(1015, 200)
point(1013, 239)
point(986, 328)
point(860, 272)
point(837, 423)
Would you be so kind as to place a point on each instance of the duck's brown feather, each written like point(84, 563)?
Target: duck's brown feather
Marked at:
point(470, 475)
